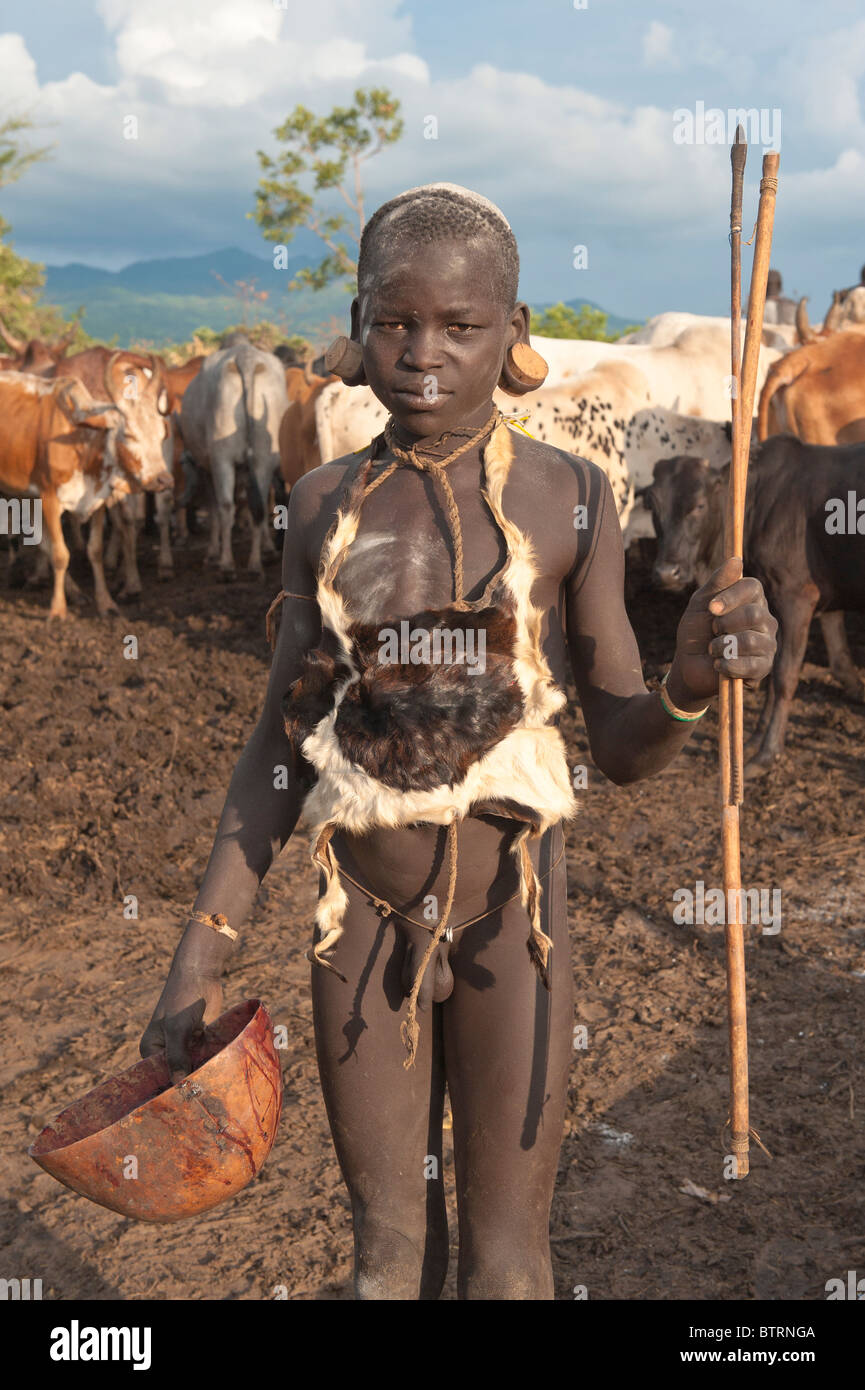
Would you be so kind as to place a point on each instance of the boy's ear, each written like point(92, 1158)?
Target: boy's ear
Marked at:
point(523, 369)
point(344, 357)
point(520, 323)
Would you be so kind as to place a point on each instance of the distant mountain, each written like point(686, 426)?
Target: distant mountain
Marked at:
point(196, 275)
point(164, 301)
point(615, 324)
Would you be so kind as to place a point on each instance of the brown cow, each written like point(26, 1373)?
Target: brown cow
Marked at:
point(176, 381)
point(71, 453)
point(298, 446)
point(817, 392)
point(35, 355)
point(136, 385)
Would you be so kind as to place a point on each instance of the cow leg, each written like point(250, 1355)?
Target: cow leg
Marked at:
point(223, 473)
point(59, 554)
point(212, 553)
point(794, 613)
point(112, 550)
point(255, 566)
point(164, 508)
point(257, 502)
point(129, 512)
point(42, 568)
point(840, 659)
point(268, 547)
point(76, 533)
point(104, 602)
point(755, 742)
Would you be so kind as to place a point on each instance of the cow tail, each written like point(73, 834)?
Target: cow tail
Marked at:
point(780, 375)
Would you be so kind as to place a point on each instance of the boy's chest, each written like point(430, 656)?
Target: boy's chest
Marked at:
point(403, 558)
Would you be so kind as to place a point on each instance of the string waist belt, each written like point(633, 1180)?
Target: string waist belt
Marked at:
point(387, 909)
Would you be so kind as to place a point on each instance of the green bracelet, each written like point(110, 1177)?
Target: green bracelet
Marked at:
point(683, 716)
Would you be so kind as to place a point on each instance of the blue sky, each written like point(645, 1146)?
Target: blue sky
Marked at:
point(564, 116)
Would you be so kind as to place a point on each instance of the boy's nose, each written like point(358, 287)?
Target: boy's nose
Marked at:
point(423, 350)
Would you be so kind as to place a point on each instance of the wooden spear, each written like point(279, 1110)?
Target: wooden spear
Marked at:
point(730, 721)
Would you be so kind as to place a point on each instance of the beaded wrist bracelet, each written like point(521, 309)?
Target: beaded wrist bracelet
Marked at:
point(215, 920)
point(682, 715)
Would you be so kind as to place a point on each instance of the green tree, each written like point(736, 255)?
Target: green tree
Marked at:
point(331, 151)
point(560, 321)
point(16, 157)
point(20, 279)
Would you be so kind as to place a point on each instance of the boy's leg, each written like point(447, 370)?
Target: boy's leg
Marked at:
point(386, 1122)
point(508, 1051)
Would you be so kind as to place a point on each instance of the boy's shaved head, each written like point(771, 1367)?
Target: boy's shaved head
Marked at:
point(441, 212)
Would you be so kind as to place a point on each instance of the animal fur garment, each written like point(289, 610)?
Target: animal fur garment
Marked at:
point(400, 744)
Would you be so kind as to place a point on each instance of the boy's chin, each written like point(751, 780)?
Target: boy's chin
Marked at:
point(432, 415)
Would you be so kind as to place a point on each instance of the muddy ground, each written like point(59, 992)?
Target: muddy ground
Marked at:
point(112, 777)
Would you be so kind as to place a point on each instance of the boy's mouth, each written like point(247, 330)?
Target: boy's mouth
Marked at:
point(417, 400)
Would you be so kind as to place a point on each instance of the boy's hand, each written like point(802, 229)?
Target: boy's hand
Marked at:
point(191, 998)
point(727, 627)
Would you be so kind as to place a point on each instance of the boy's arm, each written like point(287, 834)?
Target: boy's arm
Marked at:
point(257, 819)
point(630, 734)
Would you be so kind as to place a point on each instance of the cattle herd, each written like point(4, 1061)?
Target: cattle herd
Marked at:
point(92, 433)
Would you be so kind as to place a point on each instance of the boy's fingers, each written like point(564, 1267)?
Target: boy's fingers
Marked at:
point(747, 615)
point(151, 1040)
point(177, 1055)
point(725, 575)
point(736, 595)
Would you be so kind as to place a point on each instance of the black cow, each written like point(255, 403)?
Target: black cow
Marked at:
point(804, 541)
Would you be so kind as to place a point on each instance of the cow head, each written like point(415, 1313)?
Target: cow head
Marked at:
point(144, 447)
point(686, 502)
point(105, 424)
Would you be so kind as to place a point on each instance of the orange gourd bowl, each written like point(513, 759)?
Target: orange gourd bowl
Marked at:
point(157, 1152)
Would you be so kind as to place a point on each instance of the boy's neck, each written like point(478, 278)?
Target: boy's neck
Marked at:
point(468, 423)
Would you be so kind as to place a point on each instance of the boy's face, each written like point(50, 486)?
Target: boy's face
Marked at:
point(434, 333)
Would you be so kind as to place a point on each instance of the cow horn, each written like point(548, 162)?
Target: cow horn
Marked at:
point(115, 356)
point(804, 331)
point(832, 321)
point(16, 344)
point(156, 382)
point(63, 343)
point(307, 370)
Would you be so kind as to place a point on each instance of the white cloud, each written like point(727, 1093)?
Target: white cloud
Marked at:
point(209, 79)
point(658, 46)
point(18, 82)
point(825, 79)
point(222, 53)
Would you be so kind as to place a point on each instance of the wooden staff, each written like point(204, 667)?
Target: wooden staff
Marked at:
point(730, 720)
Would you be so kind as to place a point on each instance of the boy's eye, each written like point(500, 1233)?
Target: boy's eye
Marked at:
point(390, 323)
point(462, 328)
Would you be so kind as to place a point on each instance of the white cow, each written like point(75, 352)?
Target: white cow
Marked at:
point(690, 374)
point(853, 308)
point(664, 329)
point(230, 416)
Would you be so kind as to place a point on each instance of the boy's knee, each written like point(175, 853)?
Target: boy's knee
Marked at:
point(390, 1256)
point(514, 1277)
point(507, 1264)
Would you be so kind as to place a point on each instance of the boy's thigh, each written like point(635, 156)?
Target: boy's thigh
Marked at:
point(383, 1117)
point(508, 1051)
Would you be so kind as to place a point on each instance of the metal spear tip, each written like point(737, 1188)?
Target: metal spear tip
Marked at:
point(739, 150)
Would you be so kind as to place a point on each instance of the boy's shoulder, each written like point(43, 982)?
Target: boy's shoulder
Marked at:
point(549, 467)
point(323, 483)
